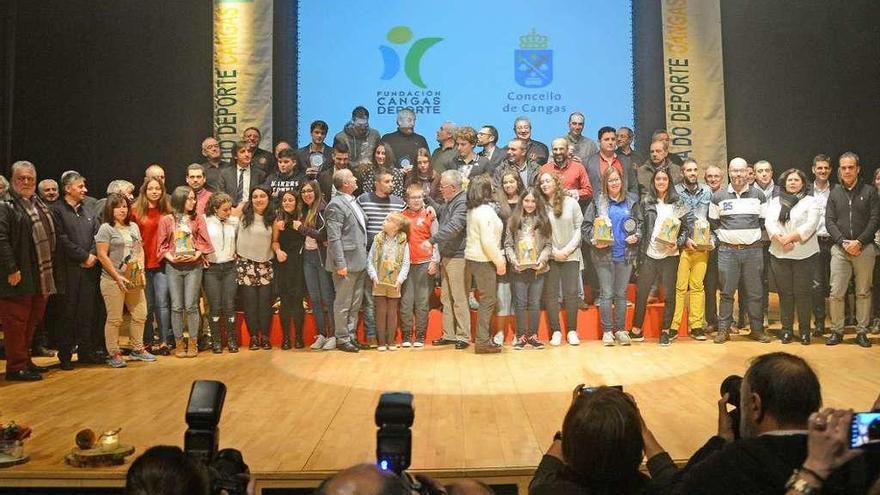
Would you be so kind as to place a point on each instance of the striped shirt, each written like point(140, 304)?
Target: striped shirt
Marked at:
point(376, 210)
point(737, 217)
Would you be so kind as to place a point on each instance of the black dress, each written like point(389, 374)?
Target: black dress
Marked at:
point(290, 283)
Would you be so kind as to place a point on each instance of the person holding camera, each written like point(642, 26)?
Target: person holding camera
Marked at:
point(600, 449)
point(780, 393)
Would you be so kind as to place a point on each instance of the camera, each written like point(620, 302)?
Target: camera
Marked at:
point(394, 417)
point(731, 386)
point(203, 410)
point(865, 431)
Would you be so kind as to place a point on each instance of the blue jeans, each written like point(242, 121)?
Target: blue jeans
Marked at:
point(528, 286)
point(735, 267)
point(184, 287)
point(613, 279)
point(320, 287)
point(157, 306)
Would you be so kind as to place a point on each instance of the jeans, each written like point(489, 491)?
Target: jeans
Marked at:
point(528, 288)
point(566, 273)
point(157, 306)
point(821, 278)
point(794, 284)
point(321, 294)
point(711, 286)
point(843, 267)
point(453, 295)
point(257, 301)
point(613, 280)
point(369, 308)
point(485, 277)
point(184, 287)
point(651, 271)
point(220, 287)
point(414, 301)
point(115, 300)
point(689, 288)
point(735, 267)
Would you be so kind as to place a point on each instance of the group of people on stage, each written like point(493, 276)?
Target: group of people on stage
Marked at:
point(370, 223)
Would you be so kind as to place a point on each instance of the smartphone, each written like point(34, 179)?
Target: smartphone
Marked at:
point(865, 431)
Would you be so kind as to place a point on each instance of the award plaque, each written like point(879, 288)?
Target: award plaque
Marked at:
point(387, 273)
point(527, 251)
point(184, 245)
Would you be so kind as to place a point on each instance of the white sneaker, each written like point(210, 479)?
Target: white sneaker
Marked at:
point(329, 344)
point(418, 343)
point(623, 337)
point(607, 339)
point(392, 347)
point(556, 338)
point(573, 338)
point(381, 348)
point(320, 340)
point(499, 338)
point(406, 343)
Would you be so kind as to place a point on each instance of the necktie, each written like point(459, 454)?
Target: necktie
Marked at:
point(239, 191)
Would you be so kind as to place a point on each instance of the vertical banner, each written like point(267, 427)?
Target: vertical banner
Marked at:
point(242, 70)
point(694, 80)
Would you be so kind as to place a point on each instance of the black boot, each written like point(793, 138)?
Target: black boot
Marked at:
point(255, 340)
point(216, 343)
point(266, 344)
point(298, 342)
point(231, 336)
point(285, 338)
point(805, 337)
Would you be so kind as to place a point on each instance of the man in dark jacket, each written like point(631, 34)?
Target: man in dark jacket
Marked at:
point(598, 163)
point(852, 216)
point(28, 275)
point(78, 227)
point(450, 239)
point(778, 394)
point(325, 177)
point(289, 176)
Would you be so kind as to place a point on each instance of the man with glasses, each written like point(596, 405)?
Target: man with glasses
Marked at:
point(487, 138)
point(536, 151)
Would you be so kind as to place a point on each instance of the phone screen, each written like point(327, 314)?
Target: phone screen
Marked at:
point(865, 430)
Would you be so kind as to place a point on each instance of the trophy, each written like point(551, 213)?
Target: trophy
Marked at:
point(527, 251)
point(602, 224)
point(667, 233)
point(184, 245)
point(316, 160)
point(702, 235)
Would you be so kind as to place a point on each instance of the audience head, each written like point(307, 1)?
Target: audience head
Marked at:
point(47, 189)
point(738, 169)
point(242, 154)
point(5, 188)
point(848, 168)
point(794, 181)
point(252, 136)
point(318, 131)
point(750, 170)
point(479, 191)
point(712, 176)
point(116, 209)
point(763, 173)
point(553, 191)
point(155, 171)
point(415, 196)
point(230, 474)
point(211, 149)
point(661, 187)
point(779, 392)
point(821, 167)
point(363, 479)
point(286, 160)
point(607, 139)
point(345, 181)
point(602, 437)
point(465, 140)
point(446, 132)
point(576, 123)
point(522, 127)
point(487, 135)
point(450, 184)
point(310, 194)
point(166, 470)
point(340, 155)
point(624, 137)
point(195, 176)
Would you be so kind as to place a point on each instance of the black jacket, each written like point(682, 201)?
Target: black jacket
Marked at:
point(17, 252)
point(280, 183)
point(649, 215)
point(451, 236)
point(853, 214)
point(229, 180)
point(553, 477)
point(78, 229)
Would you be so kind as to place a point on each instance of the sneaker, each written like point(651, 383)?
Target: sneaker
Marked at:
point(392, 347)
point(406, 343)
point(673, 334)
point(556, 338)
point(608, 339)
point(472, 301)
point(382, 348)
point(320, 340)
point(636, 335)
point(419, 344)
point(116, 361)
point(573, 338)
point(499, 338)
point(533, 341)
point(519, 343)
point(623, 337)
point(329, 344)
point(664, 339)
point(698, 334)
point(142, 356)
point(721, 336)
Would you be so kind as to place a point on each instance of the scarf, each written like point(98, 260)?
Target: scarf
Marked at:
point(787, 201)
point(43, 233)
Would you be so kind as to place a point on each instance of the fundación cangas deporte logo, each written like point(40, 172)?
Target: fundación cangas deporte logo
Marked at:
point(401, 35)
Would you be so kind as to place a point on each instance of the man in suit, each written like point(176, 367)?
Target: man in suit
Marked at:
point(346, 257)
point(487, 138)
point(237, 180)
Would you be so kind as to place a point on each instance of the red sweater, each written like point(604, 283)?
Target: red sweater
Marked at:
point(149, 227)
point(420, 223)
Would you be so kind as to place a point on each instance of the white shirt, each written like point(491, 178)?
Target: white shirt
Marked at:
point(803, 218)
point(222, 235)
point(821, 196)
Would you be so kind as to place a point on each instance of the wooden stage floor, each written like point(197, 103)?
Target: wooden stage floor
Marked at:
point(298, 414)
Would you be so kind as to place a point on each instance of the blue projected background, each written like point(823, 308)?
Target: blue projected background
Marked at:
point(487, 68)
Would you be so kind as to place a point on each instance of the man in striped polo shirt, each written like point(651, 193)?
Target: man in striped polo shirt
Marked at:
point(736, 214)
